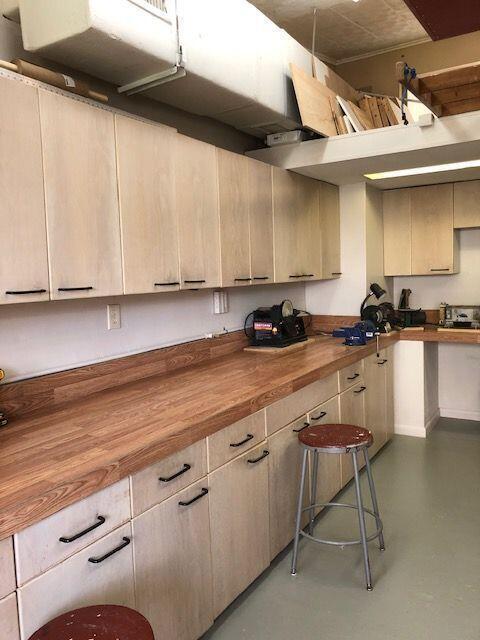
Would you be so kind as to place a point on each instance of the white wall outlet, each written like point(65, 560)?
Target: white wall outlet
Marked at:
point(114, 320)
point(220, 302)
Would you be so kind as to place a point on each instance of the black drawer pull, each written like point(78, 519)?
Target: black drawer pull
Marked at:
point(355, 375)
point(361, 390)
point(166, 284)
point(305, 425)
point(447, 269)
point(261, 277)
point(382, 361)
point(297, 276)
point(186, 467)
point(242, 279)
point(264, 455)
point(75, 288)
point(200, 495)
point(239, 444)
point(100, 521)
point(125, 543)
point(321, 415)
point(194, 281)
point(25, 293)
point(336, 273)
point(308, 275)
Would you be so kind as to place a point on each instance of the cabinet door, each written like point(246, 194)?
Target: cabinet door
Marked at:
point(9, 618)
point(77, 582)
point(284, 466)
point(7, 567)
point(239, 525)
point(287, 258)
point(352, 411)
point(146, 189)
point(196, 185)
point(234, 225)
point(309, 233)
point(23, 240)
point(329, 203)
point(173, 572)
point(434, 242)
point(261, 221)
point(466, 204)
point(397, 232)
point(390, 413)
point(83, 227)
point(376, 399)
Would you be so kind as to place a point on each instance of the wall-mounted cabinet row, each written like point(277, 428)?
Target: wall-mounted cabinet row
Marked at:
point(96, 203)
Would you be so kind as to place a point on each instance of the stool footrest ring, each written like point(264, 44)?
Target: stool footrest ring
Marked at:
point(343, 543)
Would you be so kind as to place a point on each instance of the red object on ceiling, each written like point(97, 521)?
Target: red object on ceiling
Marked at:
point(446, 18)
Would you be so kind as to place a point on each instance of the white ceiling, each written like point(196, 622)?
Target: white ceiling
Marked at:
point(346, 29)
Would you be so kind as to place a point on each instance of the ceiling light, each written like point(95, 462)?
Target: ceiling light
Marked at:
point(416, 171)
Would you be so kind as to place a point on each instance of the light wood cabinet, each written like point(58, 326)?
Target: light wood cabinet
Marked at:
point(234, 222)
point(23, 241)
point(79, 582)
point(466, 204)
point(351, 375)
point(196, 187)
point(173, 572)
point(329, 202)
point(390, 413)
point(83, 227)
point(397, 232)
point(146, 190)
point(434, 242)
point(7, 567)
point(260, 210)
point(376, 399)
point(239, 521)
point(228, 443)
point(352, 411)
point(9, 618)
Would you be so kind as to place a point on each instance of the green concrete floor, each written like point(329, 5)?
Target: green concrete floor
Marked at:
point(426, 583)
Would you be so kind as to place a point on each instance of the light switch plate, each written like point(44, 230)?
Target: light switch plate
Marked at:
point(114, 320)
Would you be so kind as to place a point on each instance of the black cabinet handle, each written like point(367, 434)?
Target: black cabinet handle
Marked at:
point(194, 281)
point(242, 279)
point(25, 293)
point(321, 415)
point(382, 361)
point(100, 521)
point(336, 273)
point(447, 269)
point(297, 276)
point(202, 493)
point(125, 543)
point(361, 390)
point(308, 275)
point(239, 444)
point(305, 425)
point(75, 288)
point(264, 455)
point(261, 277)
point(355, 375)
point(186, 467)
point(166, 284)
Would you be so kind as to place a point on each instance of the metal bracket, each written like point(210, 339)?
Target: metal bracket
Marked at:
point(149, 82)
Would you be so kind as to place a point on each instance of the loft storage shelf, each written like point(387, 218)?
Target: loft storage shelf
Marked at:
point(346, 159)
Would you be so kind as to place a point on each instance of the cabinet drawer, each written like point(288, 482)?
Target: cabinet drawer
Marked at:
point(287, 409)
point(78, 582)
point(9, 618)
point(7, 567)
point(326, 413)
point(350, 376)
point(235, 439)
point(59, 536)
point(163, 479)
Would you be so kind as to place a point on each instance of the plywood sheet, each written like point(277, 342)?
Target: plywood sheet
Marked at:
point(314, 102)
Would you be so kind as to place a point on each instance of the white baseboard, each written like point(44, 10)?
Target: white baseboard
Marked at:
point(461, 414)
point(432, 421)
point(410, 430)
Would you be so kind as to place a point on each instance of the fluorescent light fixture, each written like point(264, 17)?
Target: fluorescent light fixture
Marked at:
point(417, 171)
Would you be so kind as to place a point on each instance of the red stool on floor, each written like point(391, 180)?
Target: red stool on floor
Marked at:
point(337, 438)
point(101, 622)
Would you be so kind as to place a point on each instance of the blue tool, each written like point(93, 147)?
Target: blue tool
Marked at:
point(357, 335)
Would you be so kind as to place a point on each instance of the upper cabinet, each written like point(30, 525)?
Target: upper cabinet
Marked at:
point(329, 203)
point(146, 188)
point(23, 242)
point(419, 236)
point(196, 187)
point(260, 211)
point(466, 204)
point(81, 198)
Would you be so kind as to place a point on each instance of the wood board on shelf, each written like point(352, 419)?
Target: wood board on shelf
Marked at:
point(359, 119)
point(314, 102)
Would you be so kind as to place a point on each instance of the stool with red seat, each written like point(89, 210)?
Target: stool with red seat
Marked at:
point(336, 439)
point(101, 622)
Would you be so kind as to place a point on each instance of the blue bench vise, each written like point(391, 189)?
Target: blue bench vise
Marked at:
point(357, 335)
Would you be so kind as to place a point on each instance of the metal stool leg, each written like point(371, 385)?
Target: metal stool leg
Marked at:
point(361, 521)
point(313, 491)
point(298, 523)
point(373, 494)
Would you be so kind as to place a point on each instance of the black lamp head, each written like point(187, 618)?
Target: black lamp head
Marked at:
point(377, 290)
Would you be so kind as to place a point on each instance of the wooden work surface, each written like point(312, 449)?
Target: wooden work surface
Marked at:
point(431, 334)
point(54, 456)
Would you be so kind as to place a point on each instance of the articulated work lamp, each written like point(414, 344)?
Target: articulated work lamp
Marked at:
point(375, 290)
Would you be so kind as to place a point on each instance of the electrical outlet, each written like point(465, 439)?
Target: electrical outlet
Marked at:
point(220, 302)
point(114, 320)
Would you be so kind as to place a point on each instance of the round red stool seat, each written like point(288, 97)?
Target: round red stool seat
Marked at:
point(335, 438)
point(101, 622)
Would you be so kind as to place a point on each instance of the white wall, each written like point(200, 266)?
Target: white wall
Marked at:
point(39, 338)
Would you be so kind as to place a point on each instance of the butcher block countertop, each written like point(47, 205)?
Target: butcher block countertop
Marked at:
point(54, 455)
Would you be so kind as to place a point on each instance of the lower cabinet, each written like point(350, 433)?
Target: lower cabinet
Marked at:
point(376, 400)
point(388, 354)
point(239, 517)
point(101, 573)
point(352, 411)
point(173, 572)
point(9, 618)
